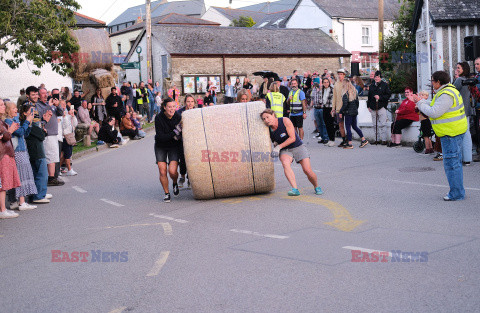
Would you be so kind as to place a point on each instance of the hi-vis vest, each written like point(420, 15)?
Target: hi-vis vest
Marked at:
point(140, 96)
point(295, 104)
point(454, 121)
point(276, 102)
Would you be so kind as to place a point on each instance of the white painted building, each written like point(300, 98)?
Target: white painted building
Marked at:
point(225, 16)
point(440, 38)
point(353, 24)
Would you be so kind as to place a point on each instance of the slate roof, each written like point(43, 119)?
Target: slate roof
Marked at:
point(86, 21)
point(168, 19)
point(202, 40)
point(234, 14)
point(360, 9)
point(449, 12)
point(274, 20)
point(192, 7)
point(272, 6)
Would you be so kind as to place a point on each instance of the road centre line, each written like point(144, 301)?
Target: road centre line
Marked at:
point(169, 218)
point(248, 232)
point(79, 189)
point(134, 225)
point(159, 264)
point(111, 202)
point(365, 250)
point(119, 310)
point(431, 185)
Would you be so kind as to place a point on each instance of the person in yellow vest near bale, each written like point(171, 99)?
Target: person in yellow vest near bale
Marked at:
point(298, 107)
point(275, 100)
point(142, 101)
point(447, 114)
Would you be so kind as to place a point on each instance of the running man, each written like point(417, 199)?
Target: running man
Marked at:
point(168, 143)
point(290, 147)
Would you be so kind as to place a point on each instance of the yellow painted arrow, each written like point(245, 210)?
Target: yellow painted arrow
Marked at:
point(343, 220)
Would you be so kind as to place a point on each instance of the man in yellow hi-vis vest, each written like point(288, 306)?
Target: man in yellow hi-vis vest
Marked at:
point(447, 114)
point(275, 100)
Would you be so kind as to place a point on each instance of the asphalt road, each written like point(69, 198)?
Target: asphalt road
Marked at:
point(266, 253)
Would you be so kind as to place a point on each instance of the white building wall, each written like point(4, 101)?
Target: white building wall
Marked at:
point(309, 15)
point(132, 74)
point(213, 15)
point(124, 40)
point(11, 81)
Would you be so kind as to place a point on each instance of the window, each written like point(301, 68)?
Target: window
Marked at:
point(119, 46)
point(197, 84)
point(132, 42)
point(366, 35)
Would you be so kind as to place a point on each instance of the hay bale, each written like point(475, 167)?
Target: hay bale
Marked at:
point(95, 50)
point(102, 78)
point(227, 151)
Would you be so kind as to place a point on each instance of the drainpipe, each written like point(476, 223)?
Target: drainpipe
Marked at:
point(224, 74)
point(343, 31)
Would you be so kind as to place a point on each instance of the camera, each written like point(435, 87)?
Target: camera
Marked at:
point(470, 82)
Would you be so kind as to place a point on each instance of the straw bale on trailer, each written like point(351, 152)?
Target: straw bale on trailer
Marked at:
point(227, 151)
point(95, 46)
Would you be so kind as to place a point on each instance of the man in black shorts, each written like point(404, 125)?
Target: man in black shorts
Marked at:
point(168, 142)
point(298, 107)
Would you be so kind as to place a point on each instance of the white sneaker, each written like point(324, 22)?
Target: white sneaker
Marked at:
point(124, 141)
point(25, 206)
point(114, 146)
point(6, 214)
point(71, 173)
point(331, 143)
point(48, 196)
point(12, 213)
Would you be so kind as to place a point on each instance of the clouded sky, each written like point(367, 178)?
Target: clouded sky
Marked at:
point(108, 10)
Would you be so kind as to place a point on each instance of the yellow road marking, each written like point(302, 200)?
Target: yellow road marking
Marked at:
point(1, 236)
point(119, 310)
point(133, 225)
point(159, 264)
point(343, 220)
point(167, 229)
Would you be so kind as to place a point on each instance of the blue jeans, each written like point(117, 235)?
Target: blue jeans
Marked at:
point(321, 128)
point(351, 122)
point(215, 100)
point(452, 163)
point(40, 175)
point(467, 145)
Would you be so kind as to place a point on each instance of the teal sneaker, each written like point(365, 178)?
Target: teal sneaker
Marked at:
point(318, 191)
point(294, 192)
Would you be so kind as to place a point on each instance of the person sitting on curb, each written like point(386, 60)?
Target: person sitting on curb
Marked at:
point(108, 133)
point(289, 147)
point(84, 118)
point(406, 115)
point(127, 128)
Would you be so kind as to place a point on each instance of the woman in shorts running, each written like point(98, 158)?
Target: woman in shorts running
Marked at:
point(168, 143)
point(289, 147)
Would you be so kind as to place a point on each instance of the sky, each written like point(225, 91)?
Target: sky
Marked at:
point(108, 10)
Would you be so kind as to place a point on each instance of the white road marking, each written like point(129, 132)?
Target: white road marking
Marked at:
point(167, 229)
point(431, 185)
point(79, 189)
point(365, 250)
point(159, 264)
point(111, 202)
point(248, 232)
point(169, 218)
point(119, 310)
point(134, 225)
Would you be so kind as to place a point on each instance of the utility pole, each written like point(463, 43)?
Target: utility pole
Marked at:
point(148, 23)
point(380, 26)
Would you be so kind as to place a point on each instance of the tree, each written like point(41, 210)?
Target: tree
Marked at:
point(400, 49)
point(243, 21)
point(33, 30)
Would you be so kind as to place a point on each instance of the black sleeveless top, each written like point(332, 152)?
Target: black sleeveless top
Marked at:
point(280, 135)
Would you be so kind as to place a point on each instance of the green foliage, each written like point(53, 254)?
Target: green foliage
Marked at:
point(243, 21)
point(34, 30)
point(400, 49)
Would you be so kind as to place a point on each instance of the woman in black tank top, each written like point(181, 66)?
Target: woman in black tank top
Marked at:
point(288, 147)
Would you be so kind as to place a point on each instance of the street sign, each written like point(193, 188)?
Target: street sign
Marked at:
point(139, 49)
point(130, 65)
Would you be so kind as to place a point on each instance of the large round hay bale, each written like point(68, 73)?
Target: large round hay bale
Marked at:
point(227, 151)
point(102, 78)
point(95, 50)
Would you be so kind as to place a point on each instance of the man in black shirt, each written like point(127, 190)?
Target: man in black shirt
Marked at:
point(114, 104)
point(378, 96)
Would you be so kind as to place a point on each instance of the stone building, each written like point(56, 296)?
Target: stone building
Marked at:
point(443, 33)
point(191, 56)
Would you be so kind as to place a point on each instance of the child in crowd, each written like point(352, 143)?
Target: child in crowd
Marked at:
point(138, 125)
point(426, 126)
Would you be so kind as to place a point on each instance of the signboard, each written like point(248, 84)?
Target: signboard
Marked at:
point(130, 65)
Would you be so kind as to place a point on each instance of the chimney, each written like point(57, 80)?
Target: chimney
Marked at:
point(139, 20)
point(163, 2)
point(229, 4)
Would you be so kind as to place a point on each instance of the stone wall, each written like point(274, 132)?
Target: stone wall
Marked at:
point(246, 66)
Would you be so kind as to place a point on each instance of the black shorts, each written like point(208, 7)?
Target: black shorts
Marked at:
point(171, 153)
point(67, 149)
point(297, 121)
point(426, 128)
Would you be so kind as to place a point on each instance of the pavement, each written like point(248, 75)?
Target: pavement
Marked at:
point(339, 252)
